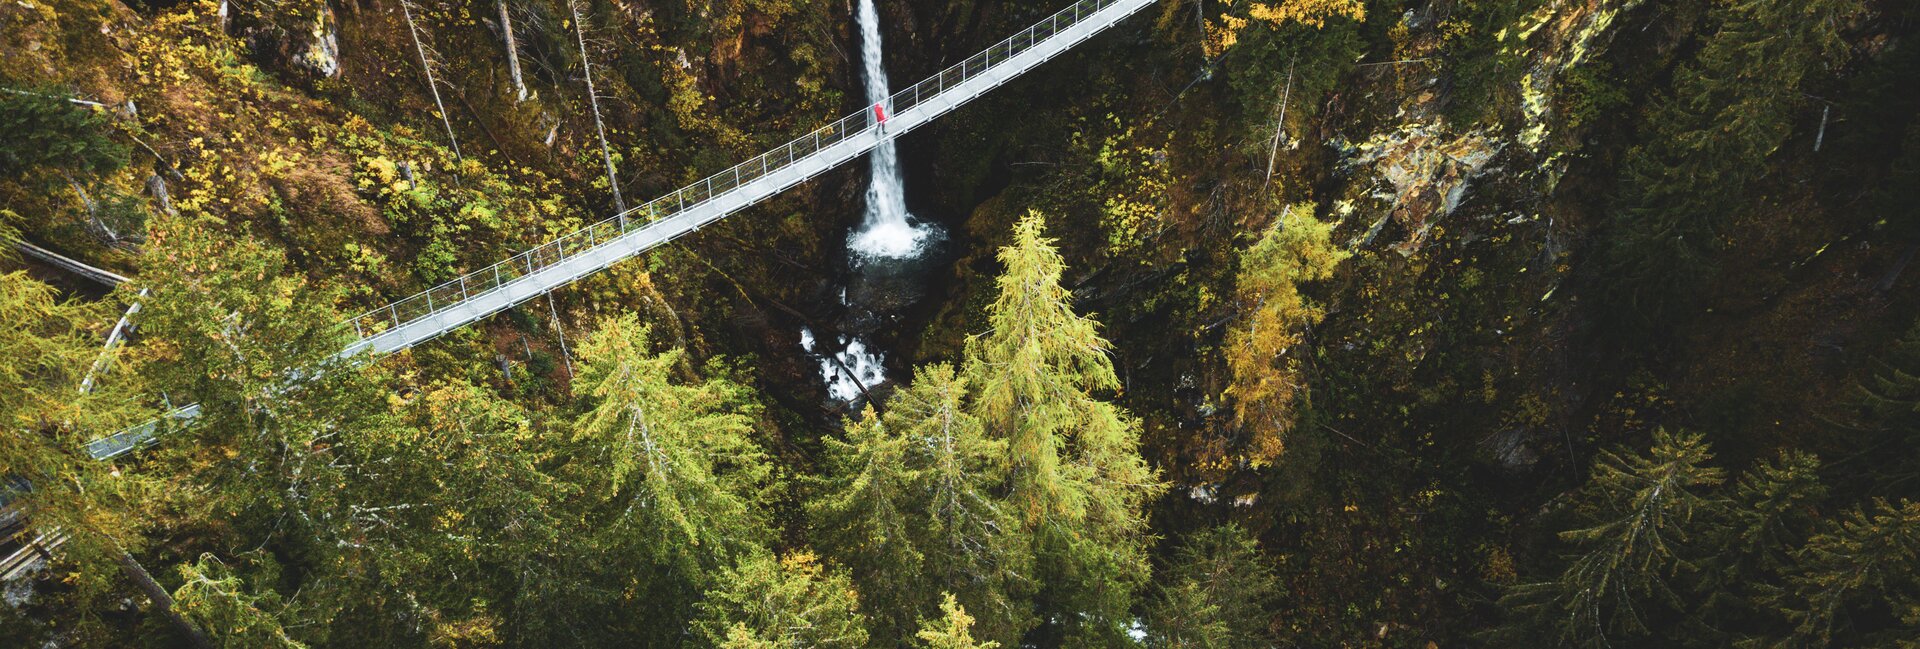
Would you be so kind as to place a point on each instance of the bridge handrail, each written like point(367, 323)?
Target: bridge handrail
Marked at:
point(460, 289)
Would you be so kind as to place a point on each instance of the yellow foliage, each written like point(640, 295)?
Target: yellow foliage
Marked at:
point(1265, 385)
point(1225, 32)
point(1313, 13)
point(1134, 179)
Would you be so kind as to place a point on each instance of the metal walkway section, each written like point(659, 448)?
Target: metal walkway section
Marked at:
point(422, 316)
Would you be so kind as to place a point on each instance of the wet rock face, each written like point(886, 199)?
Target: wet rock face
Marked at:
point(302, 39)
point(1417, 169)
point(1421, 174)
point(320, 51)
point(1559, 35)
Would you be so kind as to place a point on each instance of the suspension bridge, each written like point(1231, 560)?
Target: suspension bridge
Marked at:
point(422, 316)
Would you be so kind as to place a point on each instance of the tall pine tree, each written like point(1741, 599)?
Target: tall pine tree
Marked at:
point(787, 602)
point(1772, 510)
point(865, 516)
point(1216, 595)
point(909, 504)
point(49, 346)
point(1884, 416)
point(679, 453)
point(679, 478)
point(1267, 389)
point(952, 630)
point(1644, 516)
point(1075, 471)
point(976, 544)
point(1857, 583)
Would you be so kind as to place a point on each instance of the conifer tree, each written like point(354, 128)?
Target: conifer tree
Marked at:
point(678, 454)
point(235, 615)
point(279, 446)
point(1773, 509)
point(1857, 583)
point(864, 517)
point(673, 485)
point(47, 347)
point(1771, 512)
point(1075, 472)
point(1885, 410)
point(787, 602)
point(1215, 595)
point(1266, 387)
point(908, 504)
point(40, 131)
point(1646, 513)
point(231, 326)
point(1708, 143)
point(952, 630)
point(976, 545)
point(458, 509)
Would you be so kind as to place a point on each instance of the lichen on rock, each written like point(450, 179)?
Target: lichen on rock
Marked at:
point(1422, 174)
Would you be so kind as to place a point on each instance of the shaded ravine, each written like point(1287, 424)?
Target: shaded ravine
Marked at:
point(886, 255)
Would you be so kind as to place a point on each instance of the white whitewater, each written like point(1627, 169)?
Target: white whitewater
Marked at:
point(850, 371)
point(888, 232)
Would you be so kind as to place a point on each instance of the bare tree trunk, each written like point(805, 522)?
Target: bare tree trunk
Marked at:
point(593, 101)
point(1279, 127)
point(120, 329)
point(163, 601)
point(1200, 24)
point(93, 211)
point(426, 64)
point(513, 51)
point(1822, 137)
point(105, 277)
point(561, 329)
point(71, 100)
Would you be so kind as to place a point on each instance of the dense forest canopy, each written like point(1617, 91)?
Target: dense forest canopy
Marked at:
point(1250, 323)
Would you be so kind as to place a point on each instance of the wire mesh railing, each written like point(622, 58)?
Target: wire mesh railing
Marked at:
point(467, 286)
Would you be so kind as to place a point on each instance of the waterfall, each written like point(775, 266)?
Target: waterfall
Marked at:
point(887, 254)
point(888, 232)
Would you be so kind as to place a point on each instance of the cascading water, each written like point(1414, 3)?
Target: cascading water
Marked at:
point(850, 371)
point(888, 232)
point(883, 254)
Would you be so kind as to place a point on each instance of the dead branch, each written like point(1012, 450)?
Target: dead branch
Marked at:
point(593, 101)
point(426, 65)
